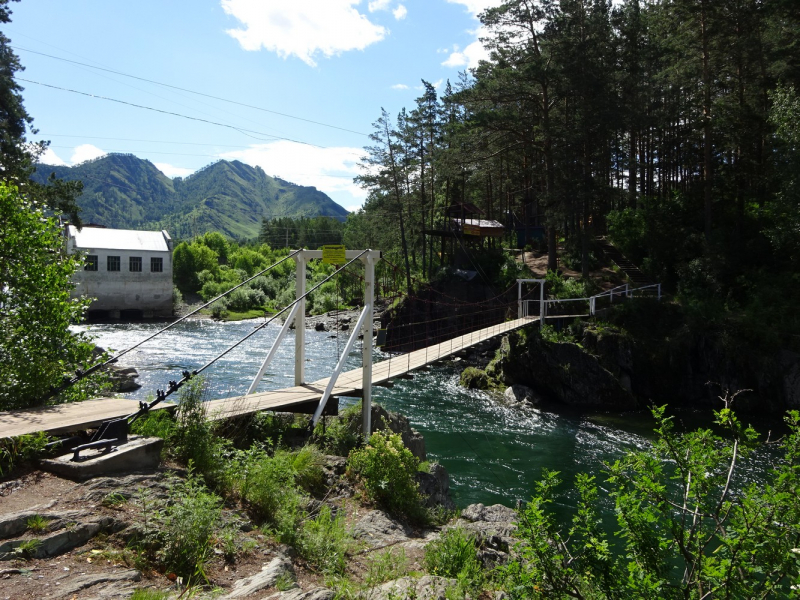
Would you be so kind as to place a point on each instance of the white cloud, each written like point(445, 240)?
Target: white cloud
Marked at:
point(172, 171)
point(400, 12)
point(302, 29)
point(330, 170)
point(475, 7)
point(399, 86)
point(469, 57)
point(474, 52)
point(86, 152)
point(378, 5)
point(51, 158)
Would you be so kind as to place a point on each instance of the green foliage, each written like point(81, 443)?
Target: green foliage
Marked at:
point(158, 423)
point(36, 347)
point(37, 523)
point(386, 566)
point(184, 528)
point(454, 555)
point(188, 260)
point(566, 287)
point(386, 470)
point(324, 542)
point(549, 334)
point(18, 450)
point(301, 232)
point(148, 594)
point(226, 197)
point(193, 440)
point(339, 435)
point(274, 486)
point(474, 378)
point(28, 548)
point(682, 531)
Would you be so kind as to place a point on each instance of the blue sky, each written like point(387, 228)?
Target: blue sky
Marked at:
point(336, 62)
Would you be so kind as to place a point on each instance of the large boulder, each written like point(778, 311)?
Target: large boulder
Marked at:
point(563, 372)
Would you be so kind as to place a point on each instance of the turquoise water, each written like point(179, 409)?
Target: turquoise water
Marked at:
point(494, 453)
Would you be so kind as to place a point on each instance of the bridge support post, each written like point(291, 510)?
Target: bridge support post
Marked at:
point(542, 305)
point(300, 321)
point(366, 346)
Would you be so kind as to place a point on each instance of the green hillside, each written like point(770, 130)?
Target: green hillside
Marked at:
point(126, 192)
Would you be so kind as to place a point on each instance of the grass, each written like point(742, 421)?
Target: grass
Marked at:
point(28, 548)
point(386, 566)
point(142, 594)
point(454, 555)
point(38, 524)
point(114, 500)
point(324, 542)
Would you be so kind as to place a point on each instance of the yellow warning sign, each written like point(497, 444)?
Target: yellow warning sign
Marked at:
point(472, 229)
point(333, 255)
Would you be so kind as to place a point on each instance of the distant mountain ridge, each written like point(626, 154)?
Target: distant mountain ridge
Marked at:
point(127, 192)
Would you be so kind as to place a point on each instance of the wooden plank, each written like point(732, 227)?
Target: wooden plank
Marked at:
point(64, 418)
point(83, 415)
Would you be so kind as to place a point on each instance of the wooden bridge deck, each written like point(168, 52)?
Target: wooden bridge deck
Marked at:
point(84, 415)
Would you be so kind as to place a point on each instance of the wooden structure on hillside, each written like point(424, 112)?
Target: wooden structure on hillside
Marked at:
point(463, 226)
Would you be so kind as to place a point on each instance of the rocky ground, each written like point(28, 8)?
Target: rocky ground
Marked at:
point(73, 540)
point(81, 551)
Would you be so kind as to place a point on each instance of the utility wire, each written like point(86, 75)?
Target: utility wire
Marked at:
point(241, 130)
point(174, 87)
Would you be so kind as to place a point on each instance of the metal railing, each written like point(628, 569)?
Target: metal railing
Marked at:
point(542, 308)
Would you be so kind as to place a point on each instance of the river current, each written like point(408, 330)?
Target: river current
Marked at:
point(493, 452)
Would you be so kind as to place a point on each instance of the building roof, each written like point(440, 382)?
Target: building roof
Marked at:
point(482, 223)
point(119, 239)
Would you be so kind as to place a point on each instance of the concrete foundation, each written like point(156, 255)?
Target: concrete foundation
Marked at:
point(137, 455)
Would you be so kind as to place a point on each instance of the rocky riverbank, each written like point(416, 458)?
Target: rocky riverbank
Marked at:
point(597, 365)
point(63, 539)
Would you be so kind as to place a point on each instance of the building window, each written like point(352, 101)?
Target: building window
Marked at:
point(91, 263)
point(135, 264)
point(156, 264)
point(113, 263)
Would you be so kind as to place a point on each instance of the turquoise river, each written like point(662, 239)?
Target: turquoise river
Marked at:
point(493, 452)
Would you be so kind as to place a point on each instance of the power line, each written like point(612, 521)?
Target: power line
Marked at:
point(246, 132)
point(174, 87)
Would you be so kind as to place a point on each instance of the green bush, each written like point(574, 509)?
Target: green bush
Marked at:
point(683, 529)
point(386, 469)
point(185, 526)
point(194, 440)
point(341, 434)
point(454, 555)
point(20, 449)
point(273, 487)
point(159, 423)
point(219, 310)
point(474, 379)
point(246, 298)
point(324, 541)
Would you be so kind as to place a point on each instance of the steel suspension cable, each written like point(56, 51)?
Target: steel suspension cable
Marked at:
point(174, 386)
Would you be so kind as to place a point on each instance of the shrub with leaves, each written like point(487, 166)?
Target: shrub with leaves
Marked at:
point(452, 554)
point(184, 526)
point(688, 527)
point(386, 469)
point(17, 450)
point(324, 541)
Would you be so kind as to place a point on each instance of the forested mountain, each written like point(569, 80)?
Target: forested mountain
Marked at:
point(121, 190)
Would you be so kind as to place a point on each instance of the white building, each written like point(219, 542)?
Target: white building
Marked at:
point(129, 273)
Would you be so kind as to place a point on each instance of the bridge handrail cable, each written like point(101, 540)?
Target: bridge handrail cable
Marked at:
point(79, 375)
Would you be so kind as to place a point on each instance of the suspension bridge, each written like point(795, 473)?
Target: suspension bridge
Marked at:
point(313, 397)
